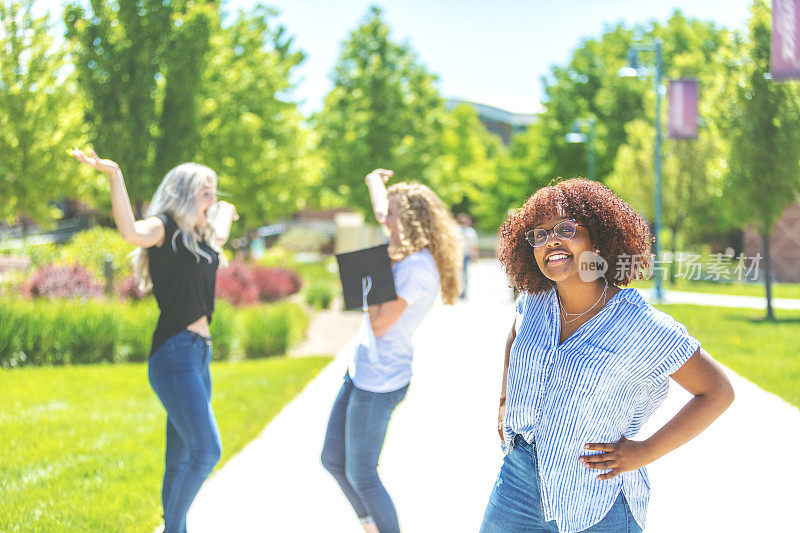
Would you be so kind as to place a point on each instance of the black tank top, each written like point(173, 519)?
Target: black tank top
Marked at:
point(183, 284)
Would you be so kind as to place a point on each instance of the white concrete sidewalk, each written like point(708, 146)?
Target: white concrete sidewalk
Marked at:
point(721, 300)
point(442, 452)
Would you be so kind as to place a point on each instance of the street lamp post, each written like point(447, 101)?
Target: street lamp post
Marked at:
point(633, 70)
point(576, 136)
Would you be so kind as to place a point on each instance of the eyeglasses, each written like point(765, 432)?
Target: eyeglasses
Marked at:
point(563, 230)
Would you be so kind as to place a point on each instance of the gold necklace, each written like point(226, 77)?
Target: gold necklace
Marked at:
point(579, 315)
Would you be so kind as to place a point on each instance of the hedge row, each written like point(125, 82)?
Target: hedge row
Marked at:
point(55, 331)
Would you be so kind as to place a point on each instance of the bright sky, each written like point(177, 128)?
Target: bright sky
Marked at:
point(491, 52)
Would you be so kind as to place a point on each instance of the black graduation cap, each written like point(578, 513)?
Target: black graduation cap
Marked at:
point(367, 270)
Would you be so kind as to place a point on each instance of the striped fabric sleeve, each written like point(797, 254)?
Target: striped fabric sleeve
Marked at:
point(687, 346)
point(519, 310)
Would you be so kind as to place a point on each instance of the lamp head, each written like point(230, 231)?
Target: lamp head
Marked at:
point(632, 68)
point(575, 136)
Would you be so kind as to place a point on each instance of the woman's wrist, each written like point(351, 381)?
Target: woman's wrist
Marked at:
point(649, 451)
point(226, 211)
point(114, 172)
point(373, 179)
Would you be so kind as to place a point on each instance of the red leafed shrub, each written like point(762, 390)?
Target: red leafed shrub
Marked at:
point(128, 289)
point(243, 285)
point(275, 283)
point(53, 281)
point(235, 283)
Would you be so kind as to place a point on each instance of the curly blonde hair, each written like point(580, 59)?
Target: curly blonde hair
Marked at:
point(426, 222)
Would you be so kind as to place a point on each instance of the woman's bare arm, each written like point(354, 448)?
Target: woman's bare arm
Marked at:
point(376, 183)
point(383, 316)
point(144, 233)
point(501, 414)
point(223, 220)
point(713, 394)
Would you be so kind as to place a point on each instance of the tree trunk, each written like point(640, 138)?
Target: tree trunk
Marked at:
point(767, 274)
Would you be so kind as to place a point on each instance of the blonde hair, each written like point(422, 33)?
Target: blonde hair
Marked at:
point(177, 196)
point(426, 222)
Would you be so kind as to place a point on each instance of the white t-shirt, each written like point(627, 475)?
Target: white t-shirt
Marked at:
point(417, 282)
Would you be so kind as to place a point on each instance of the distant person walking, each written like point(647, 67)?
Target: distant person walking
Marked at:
point(470, 245)
point(586, 364)
point(179, 251)
point(426, 255)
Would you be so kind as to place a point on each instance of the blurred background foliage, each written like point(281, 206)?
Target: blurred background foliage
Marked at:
point(154, 83)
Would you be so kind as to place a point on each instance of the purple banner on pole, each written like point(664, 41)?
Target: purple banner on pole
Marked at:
point(785, 50)
point(682, 97)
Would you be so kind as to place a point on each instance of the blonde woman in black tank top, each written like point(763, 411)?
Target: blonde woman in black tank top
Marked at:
point(178, 255)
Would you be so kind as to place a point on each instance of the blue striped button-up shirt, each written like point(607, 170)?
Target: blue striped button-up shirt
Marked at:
point(603, 382)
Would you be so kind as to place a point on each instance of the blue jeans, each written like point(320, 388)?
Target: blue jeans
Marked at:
point(178, 372)
point(464, 274)
point(353, 443)
point(515, 503)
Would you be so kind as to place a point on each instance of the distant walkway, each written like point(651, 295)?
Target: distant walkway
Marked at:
point(722, 300)
point(442, 452)
point(330, 331)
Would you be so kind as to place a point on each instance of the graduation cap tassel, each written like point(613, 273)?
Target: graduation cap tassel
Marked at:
point(366, 272)
point(366, 285)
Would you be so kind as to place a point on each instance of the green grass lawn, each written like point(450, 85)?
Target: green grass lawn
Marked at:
point(766, 353)
point(83, 446)
point(779, 290)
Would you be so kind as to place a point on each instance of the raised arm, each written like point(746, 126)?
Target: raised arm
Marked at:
point(376, 183)
point(144, 233)
point(223, 220)
point(383, 316)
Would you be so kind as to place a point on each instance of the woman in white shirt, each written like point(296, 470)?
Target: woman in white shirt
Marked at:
point(424, 246)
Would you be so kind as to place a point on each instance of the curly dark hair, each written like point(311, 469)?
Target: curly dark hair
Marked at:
point(615, 229)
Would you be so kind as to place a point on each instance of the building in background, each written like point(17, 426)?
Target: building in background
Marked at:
point(784, 245)
point(498, 121)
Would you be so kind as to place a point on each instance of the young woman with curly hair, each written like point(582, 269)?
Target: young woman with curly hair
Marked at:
point(426, 255)
point(586, 363)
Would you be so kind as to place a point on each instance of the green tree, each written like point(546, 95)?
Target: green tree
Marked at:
point(522, 171)
point(39, 117)
point(139, 63)
point(765, 125)
point(253, 135)
point(383, 111)
point(693, 173)
point(467, 170)
point(693, 170)
point(184, 62)
point(624, 110)
point(589, 86)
